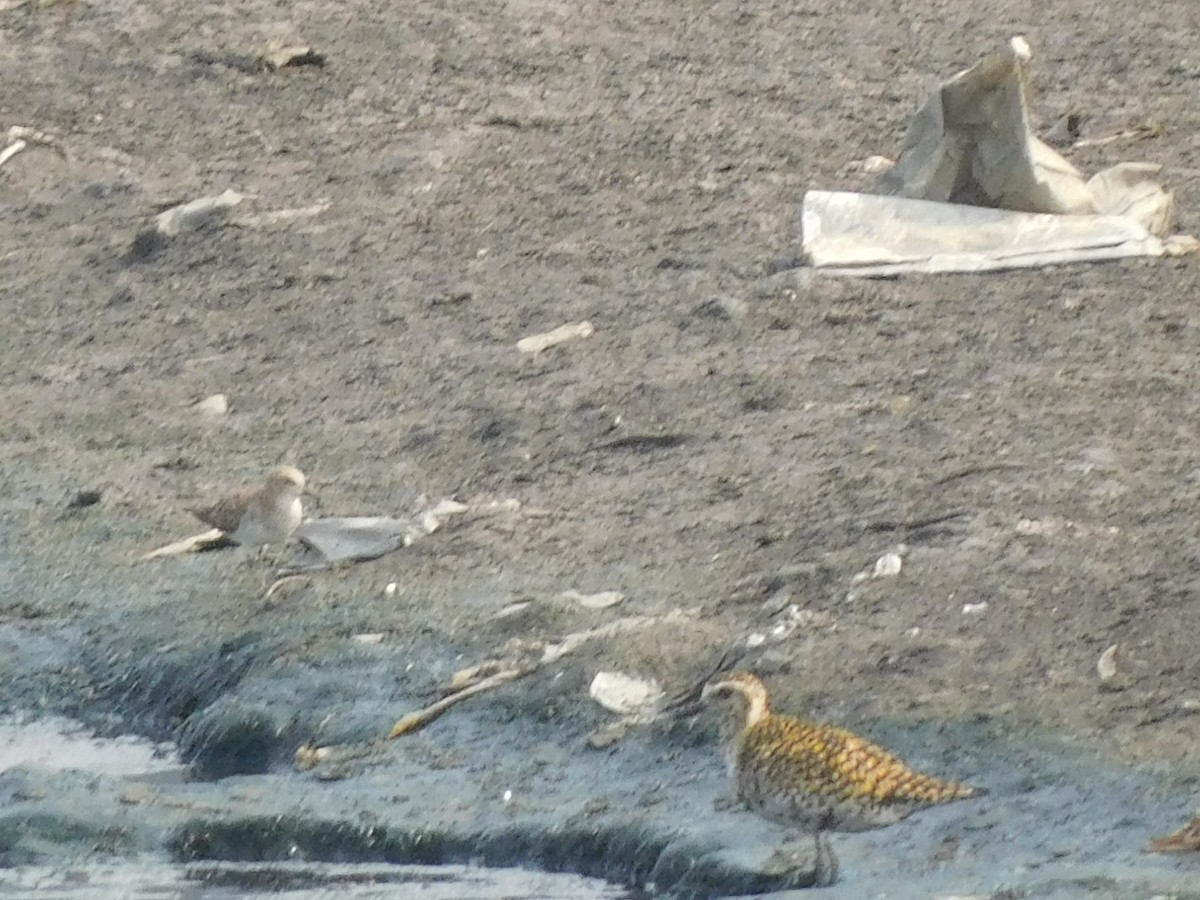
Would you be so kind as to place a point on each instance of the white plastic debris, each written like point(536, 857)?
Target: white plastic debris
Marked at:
point(626, 695)
point(339, 539)
point(870, 236)
point(888, 566)
point(369, 639)
point(971, 609)
point(538, 342)
point(975, 190)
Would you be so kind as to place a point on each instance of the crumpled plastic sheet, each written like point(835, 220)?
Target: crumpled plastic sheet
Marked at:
point(975, 190)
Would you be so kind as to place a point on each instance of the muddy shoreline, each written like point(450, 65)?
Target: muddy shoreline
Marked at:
point(501, 781)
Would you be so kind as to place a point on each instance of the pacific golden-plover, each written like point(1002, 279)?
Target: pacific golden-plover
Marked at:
point(820, 778)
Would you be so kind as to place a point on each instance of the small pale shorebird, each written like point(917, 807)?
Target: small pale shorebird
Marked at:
point(820, 778)
point(256, 517)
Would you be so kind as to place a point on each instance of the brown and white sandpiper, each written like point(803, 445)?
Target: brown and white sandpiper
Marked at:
point(256, 517)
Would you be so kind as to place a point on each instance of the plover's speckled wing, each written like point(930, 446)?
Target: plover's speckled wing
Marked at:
point(824, 776)
point(818, 776)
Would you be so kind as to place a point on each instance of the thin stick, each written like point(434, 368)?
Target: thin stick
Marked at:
point(421, 717)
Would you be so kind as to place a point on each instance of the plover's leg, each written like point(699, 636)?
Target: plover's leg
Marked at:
point(826, 867)
point(727, 803)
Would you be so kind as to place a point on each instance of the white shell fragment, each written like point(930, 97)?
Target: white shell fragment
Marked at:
point(536, 343)
point(191, 215)
point(12, 150)
point(888, 566)
point(433, 519)
point(601, 600)
point(1106, 665)
point(626, 695)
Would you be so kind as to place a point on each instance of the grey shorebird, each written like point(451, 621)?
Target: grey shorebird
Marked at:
point(257, 517)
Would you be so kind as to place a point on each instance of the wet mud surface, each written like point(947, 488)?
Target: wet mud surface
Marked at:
point(735, 438)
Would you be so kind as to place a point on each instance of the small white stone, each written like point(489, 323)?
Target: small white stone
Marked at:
point(624, 694)
point(391, 589)
point(888, 565)
point(215, 405)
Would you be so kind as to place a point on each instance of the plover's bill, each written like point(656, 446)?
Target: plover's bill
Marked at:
point(267, 515)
